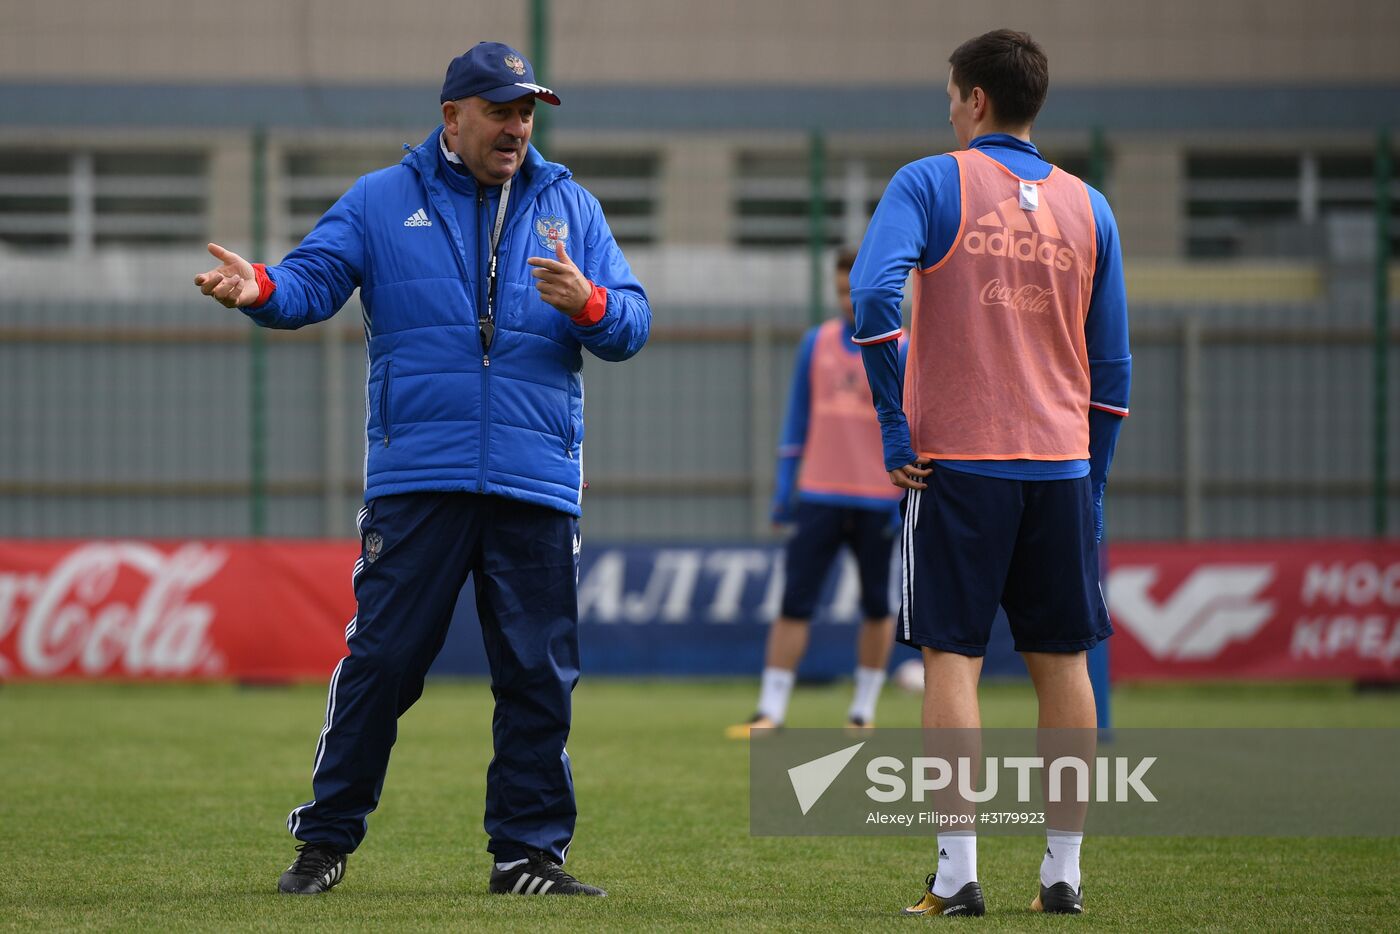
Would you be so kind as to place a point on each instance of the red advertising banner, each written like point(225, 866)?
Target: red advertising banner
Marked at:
point(278, 609)
point(253, 610)
point(1305, 609)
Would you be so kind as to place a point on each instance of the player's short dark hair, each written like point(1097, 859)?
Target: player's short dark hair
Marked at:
point(845, 258)
point(1010, 68)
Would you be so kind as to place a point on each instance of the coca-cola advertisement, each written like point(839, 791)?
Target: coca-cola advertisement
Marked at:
point(1025, 298)
point(173, 610)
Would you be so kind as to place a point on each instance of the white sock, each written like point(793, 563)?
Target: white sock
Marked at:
point(868, 684)
point(1061, 861)
point(774, 691)
point(502, 867)
point(957, 863)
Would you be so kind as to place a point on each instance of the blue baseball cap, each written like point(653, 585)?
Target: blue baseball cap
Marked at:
point(495, 71)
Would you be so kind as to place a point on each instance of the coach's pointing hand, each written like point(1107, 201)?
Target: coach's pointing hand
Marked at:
point(232, 283)
point(560, 282)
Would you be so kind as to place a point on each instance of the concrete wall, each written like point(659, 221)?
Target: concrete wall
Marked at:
point(685, 42)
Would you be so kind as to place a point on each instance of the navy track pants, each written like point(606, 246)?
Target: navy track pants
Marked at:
point(417, 550)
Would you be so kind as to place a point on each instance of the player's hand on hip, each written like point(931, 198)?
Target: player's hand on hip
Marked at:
point(909, 477)
point(232, 283)
point(560, 282)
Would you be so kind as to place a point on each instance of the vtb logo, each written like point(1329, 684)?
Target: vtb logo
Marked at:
point(1008, 236)
point(1217, 605)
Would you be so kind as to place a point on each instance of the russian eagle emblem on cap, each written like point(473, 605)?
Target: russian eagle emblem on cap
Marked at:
point(551, 229)
point(515, 64)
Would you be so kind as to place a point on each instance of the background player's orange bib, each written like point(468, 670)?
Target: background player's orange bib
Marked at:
point(998, 368)
point(843, 453)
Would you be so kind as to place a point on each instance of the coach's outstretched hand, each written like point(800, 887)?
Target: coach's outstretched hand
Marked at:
point(560, 282)
point(232, 283)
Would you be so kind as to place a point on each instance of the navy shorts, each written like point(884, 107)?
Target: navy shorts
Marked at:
point(820, 533)
point(971, 542)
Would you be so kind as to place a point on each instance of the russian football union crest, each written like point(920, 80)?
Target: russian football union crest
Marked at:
point(516, 64)
point(551, 229)
point(374, 544)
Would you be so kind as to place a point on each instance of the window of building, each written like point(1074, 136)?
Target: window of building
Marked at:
point(78, 200)
point(627, 184)
point(313, 179)
point(773, 194)
point(1274, 203)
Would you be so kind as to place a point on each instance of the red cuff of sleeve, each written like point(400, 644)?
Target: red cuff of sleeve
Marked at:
point(265, 284)
point(894, 335)
point(593, 309)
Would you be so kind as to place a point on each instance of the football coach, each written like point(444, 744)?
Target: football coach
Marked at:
point(484, 272)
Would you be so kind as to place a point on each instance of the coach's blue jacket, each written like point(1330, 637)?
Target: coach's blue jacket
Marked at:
point(440, 414)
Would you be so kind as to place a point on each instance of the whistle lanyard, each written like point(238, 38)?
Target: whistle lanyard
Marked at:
point(487, 325)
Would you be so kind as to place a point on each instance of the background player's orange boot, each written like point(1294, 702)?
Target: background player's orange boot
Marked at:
point(742, 730)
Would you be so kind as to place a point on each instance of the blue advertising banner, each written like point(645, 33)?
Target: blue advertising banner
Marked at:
point(700, 610)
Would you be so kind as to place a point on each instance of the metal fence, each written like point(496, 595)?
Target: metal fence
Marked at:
point(135, 419)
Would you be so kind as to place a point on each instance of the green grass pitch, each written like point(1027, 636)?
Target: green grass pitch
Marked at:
point(152, 807)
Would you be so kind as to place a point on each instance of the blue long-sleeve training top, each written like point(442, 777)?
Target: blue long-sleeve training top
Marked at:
point(793, 439)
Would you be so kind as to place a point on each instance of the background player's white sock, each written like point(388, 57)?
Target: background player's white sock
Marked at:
point(957, 863)
point(502, 867)
point(1061, 860)
point(774, 691)
point(868, 684)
